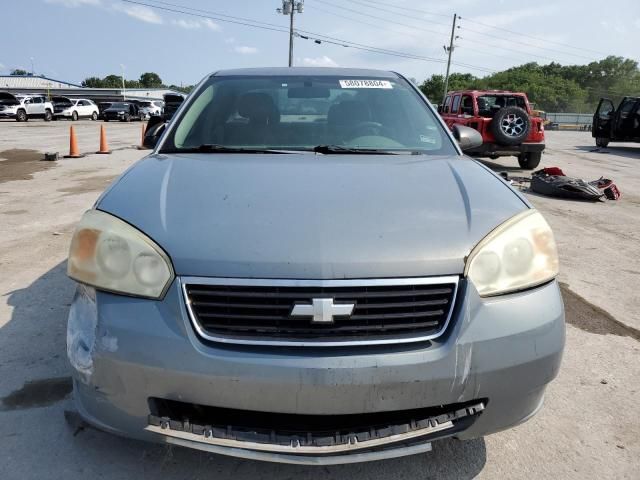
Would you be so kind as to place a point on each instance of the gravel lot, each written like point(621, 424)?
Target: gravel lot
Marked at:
point(589, 427)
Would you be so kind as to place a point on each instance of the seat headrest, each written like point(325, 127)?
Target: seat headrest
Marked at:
point(258, 107)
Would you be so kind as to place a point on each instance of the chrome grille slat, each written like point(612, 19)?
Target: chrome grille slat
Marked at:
point(249, 311)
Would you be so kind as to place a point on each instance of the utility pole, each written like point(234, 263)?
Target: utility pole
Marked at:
point(124, 91)
point(449, 49)
point(289, 7)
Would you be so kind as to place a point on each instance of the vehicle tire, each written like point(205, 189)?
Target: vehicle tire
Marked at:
point(529, 161)
point(21, 116)
point(94, 116)
point(510, 125)
point(48, 116)
point(74, 116)
point(602, 142)
point(106, 119)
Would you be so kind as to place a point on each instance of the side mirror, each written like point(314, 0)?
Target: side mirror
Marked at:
point(439, 108)
point(467, 137)
point(155, 129)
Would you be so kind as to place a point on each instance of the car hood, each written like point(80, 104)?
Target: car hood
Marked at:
point(312, 216)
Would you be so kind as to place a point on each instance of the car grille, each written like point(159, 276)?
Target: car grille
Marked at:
point(259, 312)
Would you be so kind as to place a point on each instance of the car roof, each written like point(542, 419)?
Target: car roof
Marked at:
point(306, 71)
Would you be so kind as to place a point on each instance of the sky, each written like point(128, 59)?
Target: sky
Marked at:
point(74, 39)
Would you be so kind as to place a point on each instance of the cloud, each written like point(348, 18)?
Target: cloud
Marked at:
point(1, 66)
point(229, 40)
point(139, 12)
point(322, 61)
point(195, 24)
point(187, 24)
point(210, 24)
point(74, 3)
point(245, 50)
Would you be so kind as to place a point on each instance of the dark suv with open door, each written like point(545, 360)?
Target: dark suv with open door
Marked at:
point(617, 125)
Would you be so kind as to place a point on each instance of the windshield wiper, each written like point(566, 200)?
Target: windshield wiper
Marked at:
point(217, 148)
point(337, 149)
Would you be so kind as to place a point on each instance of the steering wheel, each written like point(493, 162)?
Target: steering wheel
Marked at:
point(364, 129)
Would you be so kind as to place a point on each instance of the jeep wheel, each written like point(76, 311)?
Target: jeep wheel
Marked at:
point(510, 125)
point(74, 116)
point(94, 116)
point(48, 116)
point(602, 142)
point(529, 161)
point(21, 116)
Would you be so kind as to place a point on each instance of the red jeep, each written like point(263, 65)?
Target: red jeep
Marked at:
point(504, 120)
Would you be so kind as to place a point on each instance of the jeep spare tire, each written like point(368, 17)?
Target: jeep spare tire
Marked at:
point(510, 125)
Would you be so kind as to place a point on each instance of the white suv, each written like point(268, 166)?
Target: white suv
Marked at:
point(74, 108)
point(148, 108)
point(23, 107)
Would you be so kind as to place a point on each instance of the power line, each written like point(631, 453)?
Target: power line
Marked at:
point(175, 8)
point(535, 38)
point(368, 2)
point(386, 20)
point(408, 9)
point(212, 16)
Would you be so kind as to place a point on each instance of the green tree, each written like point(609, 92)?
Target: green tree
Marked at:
point(112, 81)
point(433, 87)
point(183, 89)
point(92, 82)
point(19, 71)
point(150, 80)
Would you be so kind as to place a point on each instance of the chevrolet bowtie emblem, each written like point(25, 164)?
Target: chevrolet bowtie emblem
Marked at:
point(322, 310)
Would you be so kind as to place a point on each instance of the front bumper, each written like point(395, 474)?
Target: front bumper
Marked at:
point(125, 351)
point(7, 114)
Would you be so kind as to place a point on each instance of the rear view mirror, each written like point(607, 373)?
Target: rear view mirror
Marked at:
point(155, 128)
point(467, 137)
point(308, 92)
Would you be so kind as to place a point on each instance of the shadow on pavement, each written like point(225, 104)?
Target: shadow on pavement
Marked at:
point(612, 149)
point(33, 350)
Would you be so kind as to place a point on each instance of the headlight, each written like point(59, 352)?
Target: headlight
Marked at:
point(521, 253)
point(112, 255)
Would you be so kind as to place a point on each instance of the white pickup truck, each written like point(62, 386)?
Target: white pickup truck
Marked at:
point(23, 107)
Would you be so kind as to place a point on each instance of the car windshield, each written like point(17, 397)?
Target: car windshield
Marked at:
point(119, 105)
point(303, 112)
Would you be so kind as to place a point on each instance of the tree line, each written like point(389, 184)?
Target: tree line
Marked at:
point(146, 80)
point(552, 87)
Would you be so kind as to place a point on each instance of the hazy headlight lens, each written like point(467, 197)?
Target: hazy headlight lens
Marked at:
point(112, 255)
point(519, 254)
point(150, 269)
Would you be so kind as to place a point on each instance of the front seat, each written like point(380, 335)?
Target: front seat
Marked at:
point(263, 115)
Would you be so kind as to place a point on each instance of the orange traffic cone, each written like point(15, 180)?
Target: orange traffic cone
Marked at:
point(104, 148)
point(144, 130)
point(73, 145)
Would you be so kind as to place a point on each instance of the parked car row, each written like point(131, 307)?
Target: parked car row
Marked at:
point(22, 107)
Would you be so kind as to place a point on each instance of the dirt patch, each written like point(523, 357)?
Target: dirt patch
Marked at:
point(88, 184)
point(21, 164)
point(38, 393)
point(14, 212)
point(584, 315)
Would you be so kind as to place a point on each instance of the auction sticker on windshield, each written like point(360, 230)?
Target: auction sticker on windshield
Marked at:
point(365, 84)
